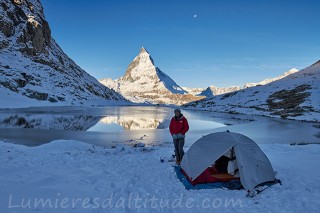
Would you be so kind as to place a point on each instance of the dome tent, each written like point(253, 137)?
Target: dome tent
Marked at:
point(254, 166)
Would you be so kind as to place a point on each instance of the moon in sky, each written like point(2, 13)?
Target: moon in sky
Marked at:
point(195, 16)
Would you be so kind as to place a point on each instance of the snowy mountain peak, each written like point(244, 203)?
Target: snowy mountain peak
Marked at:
point(144, 82)
point(142, 66)
point(143, 71)
point(142, 50)
point(144, 54)
point(289, 72)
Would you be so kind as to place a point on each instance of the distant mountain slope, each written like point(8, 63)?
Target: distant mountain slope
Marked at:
point(213, 90)
point(295, 96)
point(33, 65)
point(269, 80)
point(144, 82)
point(193, 91)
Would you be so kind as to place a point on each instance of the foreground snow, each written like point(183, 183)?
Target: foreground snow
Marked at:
point(77, 177)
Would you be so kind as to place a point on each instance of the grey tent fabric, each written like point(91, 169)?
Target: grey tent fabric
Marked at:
point(254, 166)
point(205, 152)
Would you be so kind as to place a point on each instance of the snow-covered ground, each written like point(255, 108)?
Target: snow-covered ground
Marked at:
point(72, 176)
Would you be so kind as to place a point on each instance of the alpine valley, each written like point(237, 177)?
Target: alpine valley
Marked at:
point(35, 71)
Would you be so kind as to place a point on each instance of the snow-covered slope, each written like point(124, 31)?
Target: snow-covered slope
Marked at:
point(144, 82)
point(213, 90)
point(269, 80)
point(72, 176)
point(33, 65)
point(294, 96)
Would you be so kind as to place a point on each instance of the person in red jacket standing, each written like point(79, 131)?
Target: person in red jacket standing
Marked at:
point(178, 128)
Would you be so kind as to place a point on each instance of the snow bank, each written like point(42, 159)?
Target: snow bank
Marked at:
point(78, 177)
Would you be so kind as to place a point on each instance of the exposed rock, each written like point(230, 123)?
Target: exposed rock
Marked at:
point(36, 95)
point(33, 64)
point(287, 102)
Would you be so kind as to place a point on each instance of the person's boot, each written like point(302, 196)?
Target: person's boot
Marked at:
point(178, 160)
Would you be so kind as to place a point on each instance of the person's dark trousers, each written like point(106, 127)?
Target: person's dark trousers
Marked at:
point(178, 148)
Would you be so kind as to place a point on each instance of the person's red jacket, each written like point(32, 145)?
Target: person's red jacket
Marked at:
point(179, 125)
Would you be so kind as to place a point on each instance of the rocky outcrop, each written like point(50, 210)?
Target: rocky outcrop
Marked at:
point(32, 64)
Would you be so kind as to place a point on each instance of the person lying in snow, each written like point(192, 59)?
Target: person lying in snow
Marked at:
point(178, 128)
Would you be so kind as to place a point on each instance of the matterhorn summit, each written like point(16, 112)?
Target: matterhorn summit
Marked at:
point(142, 71)
point(143, 82)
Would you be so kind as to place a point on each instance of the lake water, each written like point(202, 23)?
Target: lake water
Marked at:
point(111, 125)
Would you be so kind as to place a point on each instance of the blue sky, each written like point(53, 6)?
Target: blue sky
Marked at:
point(227, 43)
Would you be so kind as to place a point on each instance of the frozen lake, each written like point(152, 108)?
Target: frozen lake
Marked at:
point(111, 125)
